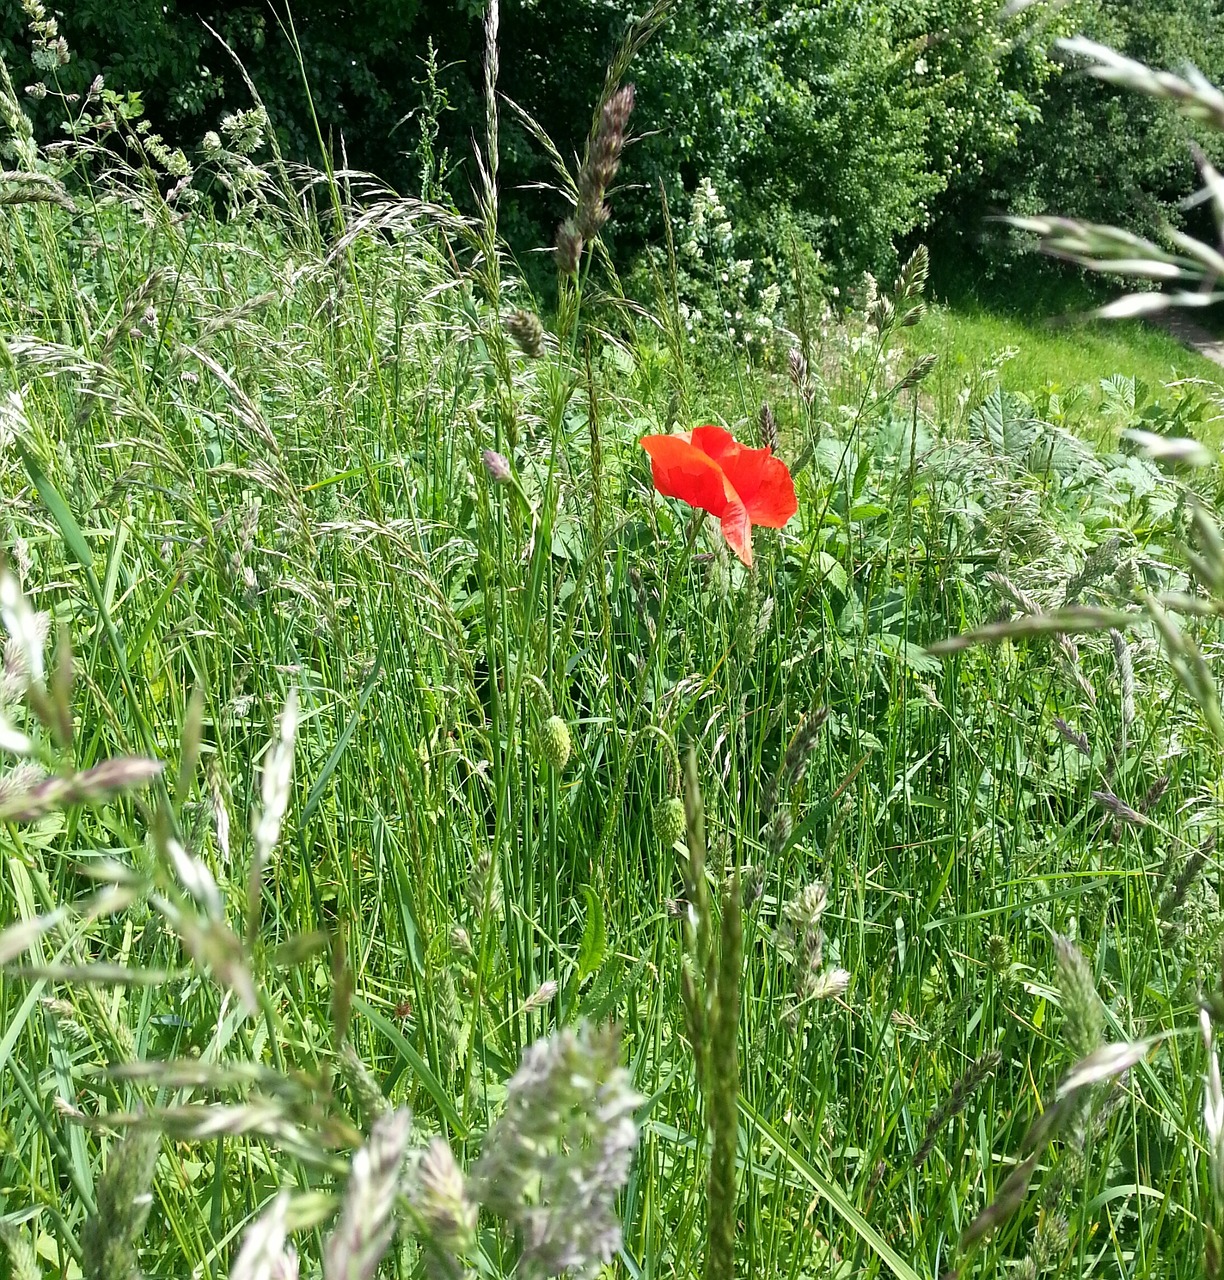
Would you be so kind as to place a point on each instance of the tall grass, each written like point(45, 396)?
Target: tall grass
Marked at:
point(339, 533)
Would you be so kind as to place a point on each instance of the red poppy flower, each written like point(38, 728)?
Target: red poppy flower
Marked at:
point(708, 469)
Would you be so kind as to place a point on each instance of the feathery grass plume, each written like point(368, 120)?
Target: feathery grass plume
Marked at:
point(831, 983)
point(527, 331)
point(1188, 665)
point(1126, 679)
point(17, 782)
point(1102, 561)
point(22, 1259)
point(1105, 1063)
point(541, 996)
point(89, 787)
point(1155, 793)
point(1074, 738)
point(769, 428)
point(275, 790)
point(912, 279)
point(497, 467)
point(371, 1100)
point(602, 161)
point(963, 1090)
point(1004, 1206)
point(20, 144)
point(1083, 1016)
point(800, 375)
point(1193, 95)
point(20, 187)
point(799, 751)
point(1050, 1242)
point(484, 888)
point(110, 1236)
point(265, 1255)
point(366, 1224)
point(559, 1154)
point(27, 630)
point(569, 245)
point(1119, 808)
point(1030, 608)
point(447, 1012)
point(918, 371)
point(439, 1194)
point(779, 821)
point(801, 935)
point(998, 955)
point(218, 789)
point(1176, 893)
point(1207, 557)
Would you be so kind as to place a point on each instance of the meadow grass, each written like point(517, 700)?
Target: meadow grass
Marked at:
point(337, 543)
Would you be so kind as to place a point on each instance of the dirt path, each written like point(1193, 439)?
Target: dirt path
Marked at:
point(1191, 335)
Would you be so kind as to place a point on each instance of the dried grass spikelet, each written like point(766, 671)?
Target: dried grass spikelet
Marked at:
point(23, 1260)
point(569, 247)
point(90, 786)
point(769, 428)
point(918, 371)
point(602, 162)
point(265, 1255)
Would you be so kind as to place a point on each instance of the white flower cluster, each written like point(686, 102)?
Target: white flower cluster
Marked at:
point(749, 312)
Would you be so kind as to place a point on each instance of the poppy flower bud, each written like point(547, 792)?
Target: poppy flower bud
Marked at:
point(553, 743)
point(669, 821)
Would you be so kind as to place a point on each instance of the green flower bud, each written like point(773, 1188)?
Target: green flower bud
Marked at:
point(554, 742)
point(669, 821)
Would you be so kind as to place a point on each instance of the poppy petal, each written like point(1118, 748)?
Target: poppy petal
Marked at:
point(681, 471)
point(762, 482)
point(737, 529)
point(773, 501)
point(715, 441)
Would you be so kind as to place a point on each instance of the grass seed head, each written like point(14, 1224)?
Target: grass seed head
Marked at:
point(527, 331)
point(569, 247)
point(366, 1223)
point(109, 1238)
point(555, 1160)
point(1083, 1015)
point(440, 1196)
point(365, 1089)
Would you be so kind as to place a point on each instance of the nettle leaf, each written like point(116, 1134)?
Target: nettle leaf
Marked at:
point(594, 944)
point(1003, 423)
point(912, 655)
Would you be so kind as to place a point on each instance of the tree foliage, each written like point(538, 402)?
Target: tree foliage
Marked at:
point(855, 122)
